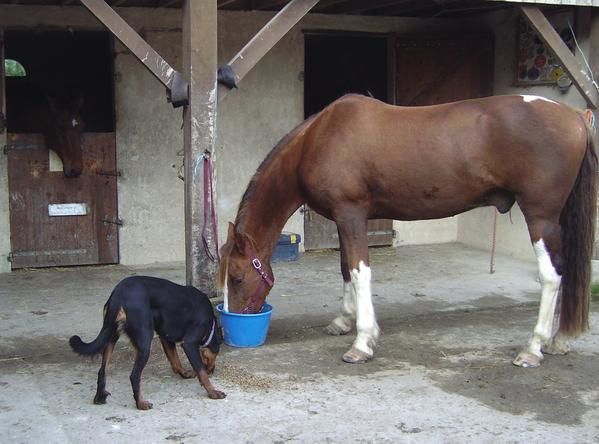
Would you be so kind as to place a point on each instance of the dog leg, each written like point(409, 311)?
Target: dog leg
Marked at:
point(141, 359)
point(170, 350)
point(191, 350)
point(101, 392)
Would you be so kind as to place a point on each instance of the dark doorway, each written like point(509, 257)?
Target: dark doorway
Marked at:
point(55, 220)
point(64, 65)
point(337, 64)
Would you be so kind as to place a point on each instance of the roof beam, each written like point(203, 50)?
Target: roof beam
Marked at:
point(562, 53)
point(168, 76)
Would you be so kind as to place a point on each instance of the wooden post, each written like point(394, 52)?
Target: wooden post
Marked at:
point(199, 69)
point(4, 201)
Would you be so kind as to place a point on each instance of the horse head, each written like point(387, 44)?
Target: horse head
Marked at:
point(243, 277)
point(62, 130)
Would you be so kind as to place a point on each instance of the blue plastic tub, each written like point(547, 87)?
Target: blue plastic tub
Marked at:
point(287, 248)
point(245, 330)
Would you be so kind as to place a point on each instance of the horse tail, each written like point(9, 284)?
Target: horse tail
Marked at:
point(577, 220)
point(111, 326)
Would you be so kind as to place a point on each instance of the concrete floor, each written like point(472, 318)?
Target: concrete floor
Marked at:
point(442, 371)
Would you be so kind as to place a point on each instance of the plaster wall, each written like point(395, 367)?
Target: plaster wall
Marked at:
point(475, 228)
point(268, 104)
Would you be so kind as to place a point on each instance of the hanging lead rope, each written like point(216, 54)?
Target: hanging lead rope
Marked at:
point(492, 263)
point(209, 211)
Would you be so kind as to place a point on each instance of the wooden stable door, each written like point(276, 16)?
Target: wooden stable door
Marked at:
point(440, 70)
point(55, 220)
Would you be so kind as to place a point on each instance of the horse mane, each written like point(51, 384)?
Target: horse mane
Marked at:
point(251, 188)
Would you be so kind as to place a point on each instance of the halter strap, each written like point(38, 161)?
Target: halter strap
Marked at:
point(264, 278)
point(209, 340)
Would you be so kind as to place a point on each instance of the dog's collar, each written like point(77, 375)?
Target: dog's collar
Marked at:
point(209, 340)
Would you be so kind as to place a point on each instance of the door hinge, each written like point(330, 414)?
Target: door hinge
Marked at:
point(115, 221)
point(2, 123)
point(9, 257)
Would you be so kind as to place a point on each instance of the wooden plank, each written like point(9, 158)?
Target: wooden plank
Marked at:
point(200, 66)
point(132, 41)
point(265, 39)
point(554, 2)
point(576, 71)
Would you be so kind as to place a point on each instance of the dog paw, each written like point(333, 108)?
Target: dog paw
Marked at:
point(216, 394)
point(187, 374)
point(100, 398)
point(144, 405)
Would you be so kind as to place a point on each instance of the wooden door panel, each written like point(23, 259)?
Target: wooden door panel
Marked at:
point(323, 232)
point(39, 239)
point(440, 70)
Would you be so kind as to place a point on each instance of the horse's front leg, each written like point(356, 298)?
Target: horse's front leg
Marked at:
point(353, 237)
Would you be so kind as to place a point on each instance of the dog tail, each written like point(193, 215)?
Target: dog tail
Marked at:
point(111, 327)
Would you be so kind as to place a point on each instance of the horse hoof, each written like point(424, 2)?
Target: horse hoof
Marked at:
point(556, 347)
point(334, 329)
point(355, 356)
point(527, 360)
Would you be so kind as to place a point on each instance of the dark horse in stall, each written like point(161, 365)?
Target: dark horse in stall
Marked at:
point(62, 126)
point(361, 159)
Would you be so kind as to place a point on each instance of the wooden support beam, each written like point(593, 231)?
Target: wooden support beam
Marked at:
point(134, 43)
point(265, 39)
point(567, 60)
point(200, 66)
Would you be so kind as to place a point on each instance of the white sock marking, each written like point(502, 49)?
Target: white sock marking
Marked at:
point(530, 98)
point(368, 330)
point(226, 291)
point(550, 283)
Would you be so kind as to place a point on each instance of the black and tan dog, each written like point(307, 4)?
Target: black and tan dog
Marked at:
point(139, 305)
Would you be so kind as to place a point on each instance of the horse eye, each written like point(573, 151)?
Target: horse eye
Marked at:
point(237, 280)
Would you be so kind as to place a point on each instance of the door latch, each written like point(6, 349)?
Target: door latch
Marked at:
point(115, 221)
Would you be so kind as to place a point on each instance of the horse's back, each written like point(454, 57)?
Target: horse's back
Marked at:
point(444, 159)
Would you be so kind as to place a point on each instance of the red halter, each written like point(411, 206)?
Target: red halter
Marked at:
point(264, 279)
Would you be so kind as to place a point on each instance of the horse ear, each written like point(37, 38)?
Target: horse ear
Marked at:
point(237, 238)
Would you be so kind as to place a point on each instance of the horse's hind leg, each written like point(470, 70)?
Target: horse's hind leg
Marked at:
point(343, 323)
point(546, 241)
point(352, 229)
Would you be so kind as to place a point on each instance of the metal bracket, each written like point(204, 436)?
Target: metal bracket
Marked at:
point(226, 76)
point(177, 92)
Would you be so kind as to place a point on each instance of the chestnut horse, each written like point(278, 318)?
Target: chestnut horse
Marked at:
point(361, 159)
point(62, 126)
